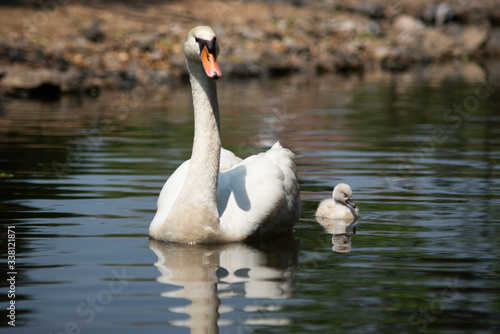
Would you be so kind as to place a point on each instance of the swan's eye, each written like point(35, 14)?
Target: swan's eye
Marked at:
point(196, 39)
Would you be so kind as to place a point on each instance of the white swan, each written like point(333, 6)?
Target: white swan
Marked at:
point(341, 206)
point(215, 196)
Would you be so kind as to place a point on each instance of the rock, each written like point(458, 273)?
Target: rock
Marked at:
point(243, 69)
point(473, 37)
point(41, 82)
point(325, 64)
point(442, 12)
point(71, 80)
point(91, 86)
point(94, 33)
point(346, 63)
point(421, 42)
point(177, 60)
point(373, 28)
point(494, 12)
point(145, 42)
point(92, 62)
point(130, 74)
point(371, 9)
point(494, 67)
point(46, 83)
point(249, 33)
point(274, 63)
point(348, 26)
point(156, 55)
point(396, 60)
point(492, 47)
point(163, 77)
point(436, 44)
point(407, 25)
point(439, 13)
point(344, 60)
point(473, 12)
point(75, 81)
point(11, 53)
point(123, 57)
point(112, 62)
point(148, 79)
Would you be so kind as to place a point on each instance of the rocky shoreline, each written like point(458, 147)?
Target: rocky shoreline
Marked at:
point(53, 47)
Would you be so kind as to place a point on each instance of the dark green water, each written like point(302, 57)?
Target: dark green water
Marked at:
point(80, 180)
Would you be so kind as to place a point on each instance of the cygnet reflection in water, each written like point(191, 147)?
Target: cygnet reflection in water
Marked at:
point(341, 231)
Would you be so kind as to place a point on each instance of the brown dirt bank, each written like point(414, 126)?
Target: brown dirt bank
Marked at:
point(54, 46)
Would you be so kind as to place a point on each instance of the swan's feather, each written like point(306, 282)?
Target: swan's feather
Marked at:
point(251, 195)
point(172, 188)
point(256, 197)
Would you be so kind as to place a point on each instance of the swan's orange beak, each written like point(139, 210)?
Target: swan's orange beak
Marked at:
point(210, 64)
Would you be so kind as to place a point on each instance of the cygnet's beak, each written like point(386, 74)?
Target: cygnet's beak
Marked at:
point(351, 203)
point(210, 64)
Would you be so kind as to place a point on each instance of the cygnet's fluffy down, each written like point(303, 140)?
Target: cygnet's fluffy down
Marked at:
point(340, 206)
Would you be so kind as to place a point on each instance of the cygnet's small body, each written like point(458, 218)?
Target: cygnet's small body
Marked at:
point(340, 206)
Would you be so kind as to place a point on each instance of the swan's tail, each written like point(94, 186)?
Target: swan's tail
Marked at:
point(283, 158)
point(277, 146)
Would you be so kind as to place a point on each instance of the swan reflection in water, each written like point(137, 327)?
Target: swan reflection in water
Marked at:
point(341, 230)
point(206, 273)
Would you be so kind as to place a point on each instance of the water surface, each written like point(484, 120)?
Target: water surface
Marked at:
point(80, 179)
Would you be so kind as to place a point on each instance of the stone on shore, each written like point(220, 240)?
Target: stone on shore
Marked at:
point(44, 82)
point(82, 48)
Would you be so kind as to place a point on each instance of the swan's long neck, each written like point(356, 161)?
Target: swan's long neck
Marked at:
point(194, 215)
point(204, 165)
point(200, 187)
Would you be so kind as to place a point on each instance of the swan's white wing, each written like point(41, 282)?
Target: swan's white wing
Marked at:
point(168, 195)
point(255, 196)
point(172, 188)
point(259, 196)
point(227, 160)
